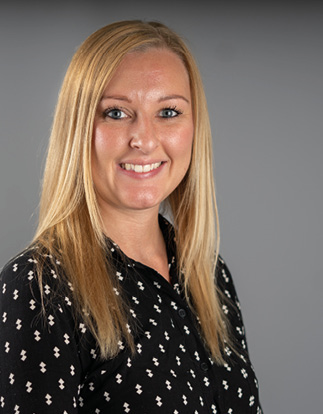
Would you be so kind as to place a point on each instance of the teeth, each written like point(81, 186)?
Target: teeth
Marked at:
point(141, 168)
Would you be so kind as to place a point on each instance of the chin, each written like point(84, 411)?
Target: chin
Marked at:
point(145, 201)
point(144, 205)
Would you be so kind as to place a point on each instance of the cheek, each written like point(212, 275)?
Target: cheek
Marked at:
point(99, 141)
point(183, 145)
point(95, 151)
point(99, 152)
point(107, 142)
point(102, 147)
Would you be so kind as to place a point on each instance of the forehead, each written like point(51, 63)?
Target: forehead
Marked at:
point(150, 68)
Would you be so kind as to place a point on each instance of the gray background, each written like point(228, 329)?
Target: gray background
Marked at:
point(262, 65)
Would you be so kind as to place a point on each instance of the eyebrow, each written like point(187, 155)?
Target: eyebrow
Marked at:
point(161, 99)
point(168, 97)
point(117, 97)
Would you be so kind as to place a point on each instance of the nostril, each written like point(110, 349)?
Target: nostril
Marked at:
point(145, 143)
point(134, 143)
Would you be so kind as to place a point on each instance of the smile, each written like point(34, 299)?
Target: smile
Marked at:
point(138, 168)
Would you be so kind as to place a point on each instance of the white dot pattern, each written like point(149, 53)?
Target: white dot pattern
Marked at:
point(49, 363)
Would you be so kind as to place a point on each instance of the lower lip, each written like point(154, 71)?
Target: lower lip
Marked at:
point(143, 175)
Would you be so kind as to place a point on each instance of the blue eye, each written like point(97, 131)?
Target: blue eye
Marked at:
point(169, 113)
point(114, 113)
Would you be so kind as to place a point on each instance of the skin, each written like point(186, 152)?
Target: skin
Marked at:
point(144, 121)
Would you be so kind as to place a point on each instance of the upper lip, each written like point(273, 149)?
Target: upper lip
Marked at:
point(141, 168)
point(141, 162)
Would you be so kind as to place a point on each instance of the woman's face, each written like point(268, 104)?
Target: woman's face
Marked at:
point(143, 132)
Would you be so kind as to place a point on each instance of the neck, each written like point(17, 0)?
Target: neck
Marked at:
point(139, 236)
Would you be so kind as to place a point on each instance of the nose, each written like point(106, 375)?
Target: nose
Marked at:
point(143, 135)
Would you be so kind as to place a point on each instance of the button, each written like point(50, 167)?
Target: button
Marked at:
point(204, 366)
point(182, 313)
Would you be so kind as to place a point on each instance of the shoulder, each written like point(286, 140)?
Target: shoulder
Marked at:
point(230, 304)
point(35, 294)
point(27, 265)
point(224, 282)
point(20, 270)
point(22, 260)
point(31, 275)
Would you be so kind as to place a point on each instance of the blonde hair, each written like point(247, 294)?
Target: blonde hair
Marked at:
point(70, 225)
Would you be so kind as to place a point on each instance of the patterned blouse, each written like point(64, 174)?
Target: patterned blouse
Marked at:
point(50, 364)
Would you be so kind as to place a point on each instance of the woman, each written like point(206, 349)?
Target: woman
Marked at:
point(112, 308)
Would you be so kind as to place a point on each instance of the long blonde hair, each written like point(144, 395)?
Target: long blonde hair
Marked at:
point(70, 226)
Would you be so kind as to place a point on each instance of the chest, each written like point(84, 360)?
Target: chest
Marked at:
point(170, 371)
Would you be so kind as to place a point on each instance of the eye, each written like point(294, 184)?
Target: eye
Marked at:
point(169, 112)
point(114, 113)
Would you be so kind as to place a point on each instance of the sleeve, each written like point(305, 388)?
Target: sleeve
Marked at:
point(40, 369)
point(231, 306)
point(232, 310)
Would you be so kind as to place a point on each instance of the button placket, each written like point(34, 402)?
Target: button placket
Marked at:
point(182, 313)
point(204, 366)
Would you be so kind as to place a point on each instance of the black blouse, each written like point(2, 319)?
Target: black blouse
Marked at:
point(53, 366)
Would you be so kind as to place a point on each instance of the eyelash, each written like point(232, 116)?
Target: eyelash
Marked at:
point(168, 108)
point(172, 108)
point(110, 109)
